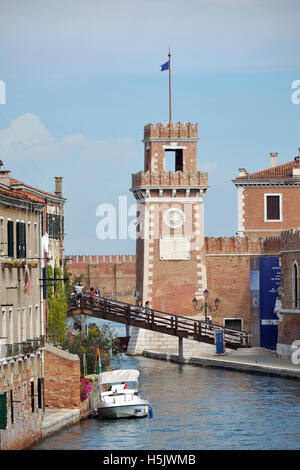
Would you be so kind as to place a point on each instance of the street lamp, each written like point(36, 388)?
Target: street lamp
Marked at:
point(206, 306)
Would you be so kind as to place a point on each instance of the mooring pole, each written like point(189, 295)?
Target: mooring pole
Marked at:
point(180, 347)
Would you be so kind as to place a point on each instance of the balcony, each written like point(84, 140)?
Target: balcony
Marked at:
point(10, 351)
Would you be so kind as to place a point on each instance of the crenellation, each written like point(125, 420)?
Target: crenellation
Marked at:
point(233, 245)
point(176, 130)
point(272, 245)
point(290, 239)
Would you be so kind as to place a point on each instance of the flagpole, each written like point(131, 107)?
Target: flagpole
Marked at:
point(170, 115)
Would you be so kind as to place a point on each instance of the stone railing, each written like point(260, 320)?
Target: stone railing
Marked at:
point(21, 349)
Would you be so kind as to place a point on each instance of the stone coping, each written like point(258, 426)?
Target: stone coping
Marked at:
point(61, 352)
point(264, 363)
point(55, 419)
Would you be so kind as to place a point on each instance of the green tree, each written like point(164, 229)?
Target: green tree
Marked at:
point(69, 280)
point(57, 306)
point(103, 337)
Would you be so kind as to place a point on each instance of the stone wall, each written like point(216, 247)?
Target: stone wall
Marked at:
point(62, 379)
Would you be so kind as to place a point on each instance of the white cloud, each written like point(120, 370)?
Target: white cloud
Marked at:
point(27, 139)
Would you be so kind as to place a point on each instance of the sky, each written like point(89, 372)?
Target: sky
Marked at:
point(83, 78)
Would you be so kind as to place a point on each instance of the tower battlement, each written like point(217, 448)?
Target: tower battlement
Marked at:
point(171, 130)
point(169, 178)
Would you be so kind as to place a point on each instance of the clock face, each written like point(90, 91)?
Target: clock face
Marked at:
point(174, 218)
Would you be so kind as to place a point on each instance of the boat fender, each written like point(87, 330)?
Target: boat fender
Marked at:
point(138, 410)
point(150, 412)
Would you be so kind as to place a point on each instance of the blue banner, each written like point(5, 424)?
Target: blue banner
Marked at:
point(269, 282)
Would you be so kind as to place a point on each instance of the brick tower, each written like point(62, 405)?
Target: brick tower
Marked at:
point(170, 264)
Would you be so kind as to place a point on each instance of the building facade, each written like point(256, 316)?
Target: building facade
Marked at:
point(289, 326)
point(23, 309)
point(268, 200)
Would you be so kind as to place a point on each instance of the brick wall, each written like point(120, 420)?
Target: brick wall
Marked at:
point(254, 210)
point(289, 327)
point(62, 379)
point(228, 276)
point(113, 275)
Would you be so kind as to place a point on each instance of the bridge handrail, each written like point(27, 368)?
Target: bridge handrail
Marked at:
point(165, 318)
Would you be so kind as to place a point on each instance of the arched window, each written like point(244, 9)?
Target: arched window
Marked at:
point(295, 285)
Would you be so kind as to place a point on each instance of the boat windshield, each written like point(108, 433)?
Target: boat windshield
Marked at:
point(119, 376)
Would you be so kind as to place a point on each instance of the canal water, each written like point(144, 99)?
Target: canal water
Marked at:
point(195, 408)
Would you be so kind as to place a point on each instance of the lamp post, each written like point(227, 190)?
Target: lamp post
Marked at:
point(206, 306)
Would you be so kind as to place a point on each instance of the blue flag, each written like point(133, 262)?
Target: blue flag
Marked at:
point(165, 66)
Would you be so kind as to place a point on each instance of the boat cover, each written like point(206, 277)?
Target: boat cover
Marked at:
point(120, 375)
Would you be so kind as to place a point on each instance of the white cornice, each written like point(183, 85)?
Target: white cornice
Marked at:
point(285, 182)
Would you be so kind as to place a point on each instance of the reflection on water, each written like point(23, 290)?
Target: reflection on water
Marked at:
point(196, 408)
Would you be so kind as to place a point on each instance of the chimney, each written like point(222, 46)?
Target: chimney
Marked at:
point(243, 172)
point(4, 176)
point(58, 186)
point(273, 159)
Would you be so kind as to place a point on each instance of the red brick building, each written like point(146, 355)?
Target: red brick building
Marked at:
point(269, 200)
point(289, 327)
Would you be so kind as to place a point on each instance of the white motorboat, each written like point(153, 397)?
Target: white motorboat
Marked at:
point(120, 396)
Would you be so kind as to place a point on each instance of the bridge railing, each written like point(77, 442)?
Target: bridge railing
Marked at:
point(178, 324)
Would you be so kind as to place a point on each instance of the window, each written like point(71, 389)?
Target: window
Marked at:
point(53, 226)
point(37, 322)
point(10, 327)
point(3, 410)
point(40, 393)
point(273, 212)
point(3, 329)
point(295, 286)
point(23, 325)
point(10, 238)
point(12, 406)
point(2, 242)
point(21, 240)
point(178, 160)
point(36, 240)
point(30, 323)
point(32, 395)
point(233, 323)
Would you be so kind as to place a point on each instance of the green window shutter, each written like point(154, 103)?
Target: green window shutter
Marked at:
point(54, 226)
point(50, 225)
point(58, 226)
point(63, 226)
point(10, 238)
point(3, 410)
point(23, 240)
point(44, 283)
point(18, 240)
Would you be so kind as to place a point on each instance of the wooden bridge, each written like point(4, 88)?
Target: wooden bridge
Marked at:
point(175, 325)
